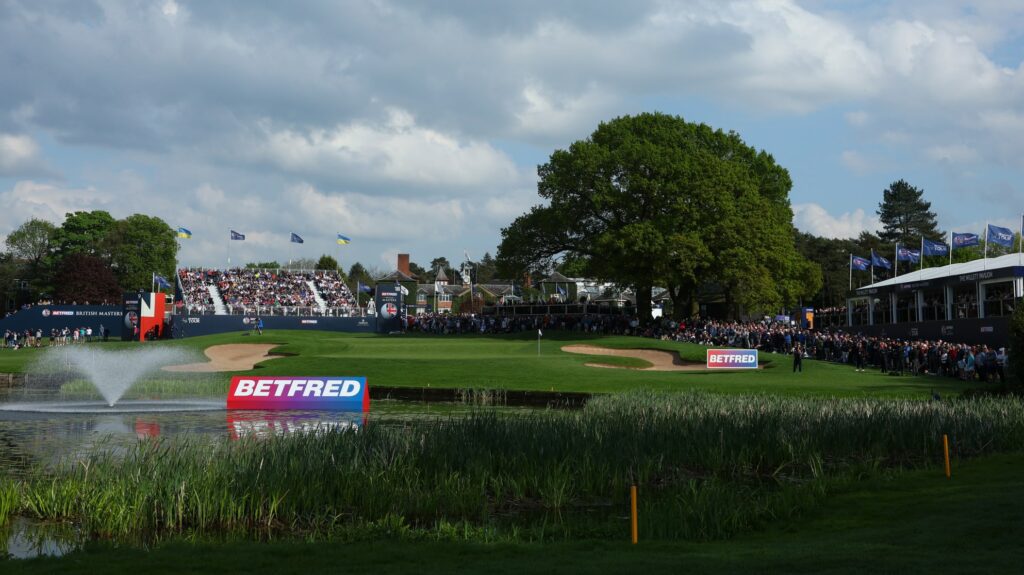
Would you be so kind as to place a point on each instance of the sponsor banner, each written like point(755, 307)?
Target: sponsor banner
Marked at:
point(732, 359)
point(310, 392)
point(262, 424)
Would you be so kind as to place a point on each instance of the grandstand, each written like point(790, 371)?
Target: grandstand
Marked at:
point(264, 292)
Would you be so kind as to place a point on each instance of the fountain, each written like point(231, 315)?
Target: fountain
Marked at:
point(112, 373)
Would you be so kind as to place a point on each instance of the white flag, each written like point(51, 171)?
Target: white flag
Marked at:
point(539, 333)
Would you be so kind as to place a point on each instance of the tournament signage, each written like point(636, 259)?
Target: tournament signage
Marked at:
point(310, 392)
point(732, 359)
point(389, 305)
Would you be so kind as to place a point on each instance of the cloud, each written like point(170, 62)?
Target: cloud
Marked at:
point(814, 219)
point(954, 153)
point(19, 156)
point(857, 118)
point(28, 199)
point(855, 162)
point(395, 151)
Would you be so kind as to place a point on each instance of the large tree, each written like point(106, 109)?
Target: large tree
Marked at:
point(327, 263)
point(84, 233)
point(652, 199)
point(30, 247)
point(905, 216)
point(81, 278)
point(140, 246)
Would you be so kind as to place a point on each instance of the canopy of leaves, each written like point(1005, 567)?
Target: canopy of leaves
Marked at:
point(140, 246)
point(84, 278)
point(327, 263)
point(271, 265)
point(654, 200)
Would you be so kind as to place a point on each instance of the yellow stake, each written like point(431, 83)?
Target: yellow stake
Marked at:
point(945, 450)
point(632, 498)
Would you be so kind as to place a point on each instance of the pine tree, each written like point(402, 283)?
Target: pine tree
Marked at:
point(905, 215)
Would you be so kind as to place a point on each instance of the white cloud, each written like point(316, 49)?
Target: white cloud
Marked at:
point(954, 153)
point(29, 199)
point(855, 162)
point(19, 155)
point(814, 219)
point(857, 118)
point(396, 151)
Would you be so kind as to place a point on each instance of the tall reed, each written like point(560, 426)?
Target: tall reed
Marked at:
point(708, 466)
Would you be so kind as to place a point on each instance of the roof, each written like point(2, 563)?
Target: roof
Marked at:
point(973, 266)
point(441, 276)
point(557, 278)
point(396, 276)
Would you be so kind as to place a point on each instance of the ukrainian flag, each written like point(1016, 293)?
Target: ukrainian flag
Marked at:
point(183, 233)
point(342, 240)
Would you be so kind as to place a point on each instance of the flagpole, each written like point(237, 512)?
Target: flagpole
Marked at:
point(921, 262)
point(896, 262)
point(950, 247)
point(984, 263)
point(851, 271)
point(1020, 240)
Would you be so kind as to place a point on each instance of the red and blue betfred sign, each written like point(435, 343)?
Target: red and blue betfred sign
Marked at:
point(309, 392)
point(732, 359)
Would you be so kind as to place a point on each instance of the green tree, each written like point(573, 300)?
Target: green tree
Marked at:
point(905, 215)
point(84, 233)
point(358, 273)
point(30, 247)
point(140, 246)
point(417, 270)
point(652, 199)
point(271, 265)
point(84, 278)
point(327, 263)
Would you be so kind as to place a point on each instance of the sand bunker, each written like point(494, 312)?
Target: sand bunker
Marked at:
point(230, 357)
point(659, 360)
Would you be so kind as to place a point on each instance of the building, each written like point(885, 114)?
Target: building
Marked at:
point(969, 302)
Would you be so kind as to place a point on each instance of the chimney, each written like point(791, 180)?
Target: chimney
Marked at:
point(403, 264)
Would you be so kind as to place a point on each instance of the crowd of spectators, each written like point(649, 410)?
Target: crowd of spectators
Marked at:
point(34, 338)
point(254, 291)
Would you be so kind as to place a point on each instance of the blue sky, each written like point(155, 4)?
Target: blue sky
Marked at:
point(417, 127)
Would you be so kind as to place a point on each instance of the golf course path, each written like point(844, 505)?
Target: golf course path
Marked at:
point(230, 357)
point(659, 360)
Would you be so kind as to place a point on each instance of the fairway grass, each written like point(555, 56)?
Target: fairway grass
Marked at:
point(513, 363)
point(919, 522)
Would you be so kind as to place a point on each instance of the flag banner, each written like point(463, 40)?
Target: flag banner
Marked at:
point(437, 287)
point(401, 289)
point(561, 291)
point(183, 233)
point(296, 239)
point(935, 248)
point(363, 287)
point(908, 255)
point(859, 264)
point(964, 240)
point(540, 333)
point(342, 240)
point(162, 282)
point(880, 262)
point(1001, 236)
point(237, 236)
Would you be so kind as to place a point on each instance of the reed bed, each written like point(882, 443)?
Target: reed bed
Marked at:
point(707, 466)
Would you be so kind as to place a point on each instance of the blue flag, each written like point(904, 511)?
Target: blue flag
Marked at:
point(935, 248)
point(296, 239)
point(908, 255)
point(363, 287)
point(161, 282)
point(880, 262)
point(859, 264)
point(237, 236)
point(964, 240)
point(561, 291)
point(1001, 236)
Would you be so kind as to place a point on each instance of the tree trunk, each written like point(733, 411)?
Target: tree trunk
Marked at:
point(643, 304)
point(680, 302)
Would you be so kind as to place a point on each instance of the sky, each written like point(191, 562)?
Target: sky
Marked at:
point(417, 127)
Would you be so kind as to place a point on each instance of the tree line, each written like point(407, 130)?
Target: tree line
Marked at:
point(91, 257)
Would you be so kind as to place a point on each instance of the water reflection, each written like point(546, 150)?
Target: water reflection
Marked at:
point(26, 539)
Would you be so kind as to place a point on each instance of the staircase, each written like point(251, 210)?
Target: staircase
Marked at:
point(320, 303)
point(218, 303)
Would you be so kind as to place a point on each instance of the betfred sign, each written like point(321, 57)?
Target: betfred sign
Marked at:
point(311, 392)
point(732, 359)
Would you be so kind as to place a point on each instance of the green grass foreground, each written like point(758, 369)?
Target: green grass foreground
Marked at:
point(919, 522)
point(512, 363)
